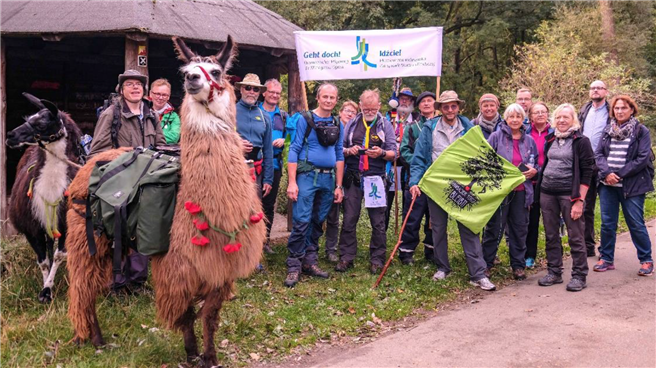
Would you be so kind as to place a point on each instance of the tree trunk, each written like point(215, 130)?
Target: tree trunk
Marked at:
point(608, 30)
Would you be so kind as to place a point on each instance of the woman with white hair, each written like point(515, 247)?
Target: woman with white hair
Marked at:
point(566, 175)
point(511, 142)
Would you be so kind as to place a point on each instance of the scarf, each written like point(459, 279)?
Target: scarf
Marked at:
point(622, 132)
point(488, 125)
point(562, 136)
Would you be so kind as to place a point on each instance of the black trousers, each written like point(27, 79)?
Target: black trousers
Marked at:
point(514, 214)
point(533, 228)
point(411, 234)
point(589, 213)
point(269, 202)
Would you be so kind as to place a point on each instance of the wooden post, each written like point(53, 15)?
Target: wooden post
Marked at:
point(4, 213)
point(295, 103)
point(136, 52)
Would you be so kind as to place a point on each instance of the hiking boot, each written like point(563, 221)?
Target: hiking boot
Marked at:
point(647, 269)
point(407, 261)
point(518, 274)
point(375, 269)
point(591, 252)
point(333, 258)
point(530, 263)
point(550, 279)
point(440, 275)
point(268, 249)
point(315, 271)
point(342, 266)
point(292, 279)
point(484, 284)
point(497, 261)
point(603, 266)
point(576, 284)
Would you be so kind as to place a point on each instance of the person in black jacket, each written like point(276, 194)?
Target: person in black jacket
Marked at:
point(624, 158)
point(566, 176)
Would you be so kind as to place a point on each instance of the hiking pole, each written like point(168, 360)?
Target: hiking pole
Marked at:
point(382, 273)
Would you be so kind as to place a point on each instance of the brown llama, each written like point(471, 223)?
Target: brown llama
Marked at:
point(216, 197)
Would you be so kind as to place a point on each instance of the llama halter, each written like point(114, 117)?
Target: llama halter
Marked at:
point(213, 84)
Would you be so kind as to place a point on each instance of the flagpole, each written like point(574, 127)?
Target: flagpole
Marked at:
point(396, 247)
point(437, 90)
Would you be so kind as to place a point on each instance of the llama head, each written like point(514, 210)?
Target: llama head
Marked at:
point(44, 127)
point(205, 77)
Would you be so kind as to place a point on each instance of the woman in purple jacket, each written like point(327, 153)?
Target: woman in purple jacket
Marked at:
point(512, 143)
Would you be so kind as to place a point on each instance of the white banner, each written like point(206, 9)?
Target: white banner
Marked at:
point(374, 192)
point(329, 55)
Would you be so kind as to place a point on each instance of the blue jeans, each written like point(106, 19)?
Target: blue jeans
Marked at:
point(633, 209)
point(303, 240)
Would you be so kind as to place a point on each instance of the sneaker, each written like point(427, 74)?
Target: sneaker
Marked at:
point(518, 274)
point(375, 269)
point(647, 269)
point(440, 275)
point(315, 271)
point(268, 249)
point(530, 262)
point(342, 266)
point(292, 279)
point(484, 284)
point(603, 266)
point(333, 258)
point(576, 284)
point(591, 252)
point(550, 279)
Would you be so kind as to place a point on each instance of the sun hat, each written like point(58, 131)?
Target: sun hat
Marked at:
point(449, 96)
point(252, 80)
point(132, 74)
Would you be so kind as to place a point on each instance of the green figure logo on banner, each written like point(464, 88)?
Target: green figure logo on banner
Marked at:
point(363, 51)
point(374, 192)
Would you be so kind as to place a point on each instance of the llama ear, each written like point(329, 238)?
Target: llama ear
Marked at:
point(227, 54)
point(51, 107)
point(184, 53)
point(34, 100)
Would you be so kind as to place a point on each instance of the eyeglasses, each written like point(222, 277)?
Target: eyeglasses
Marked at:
point(271, 92)
point(350, 112)
point(597, 88)
point(251, 88)
point(161, 95)
point(449, 107)
point(369, 111)
point(538, 113)
point(133, 84)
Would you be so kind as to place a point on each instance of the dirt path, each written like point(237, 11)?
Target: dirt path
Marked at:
point(612, 323)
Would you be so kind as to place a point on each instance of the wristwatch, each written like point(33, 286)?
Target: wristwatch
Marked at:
point(582, 201)
point(340, 188)
point(383, 155)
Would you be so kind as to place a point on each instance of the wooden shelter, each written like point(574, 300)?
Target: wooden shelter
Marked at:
point(71, 53)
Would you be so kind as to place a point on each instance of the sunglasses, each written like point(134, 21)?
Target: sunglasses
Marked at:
point(251, 88)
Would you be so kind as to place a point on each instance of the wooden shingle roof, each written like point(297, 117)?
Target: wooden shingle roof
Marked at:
point(204, 20)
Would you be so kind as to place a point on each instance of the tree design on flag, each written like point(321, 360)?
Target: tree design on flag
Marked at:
point(486, 171)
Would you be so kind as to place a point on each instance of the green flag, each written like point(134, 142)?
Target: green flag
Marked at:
point(469, 180)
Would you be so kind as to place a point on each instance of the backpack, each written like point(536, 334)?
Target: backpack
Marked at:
point(132, 200)
point(113, 100)
point(327, 135)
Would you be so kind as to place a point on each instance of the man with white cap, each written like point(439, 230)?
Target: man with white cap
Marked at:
point(436, 135)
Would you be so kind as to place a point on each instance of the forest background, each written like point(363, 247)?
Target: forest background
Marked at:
point(554, 48)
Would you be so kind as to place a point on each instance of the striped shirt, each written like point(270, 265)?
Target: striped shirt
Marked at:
point(617, 155)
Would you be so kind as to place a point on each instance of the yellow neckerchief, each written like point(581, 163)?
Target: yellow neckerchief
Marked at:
point(367, 129)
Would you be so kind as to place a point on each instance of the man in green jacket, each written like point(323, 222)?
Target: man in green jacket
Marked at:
point(160, 92)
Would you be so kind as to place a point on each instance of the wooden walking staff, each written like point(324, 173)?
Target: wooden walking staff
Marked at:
point(398, 243)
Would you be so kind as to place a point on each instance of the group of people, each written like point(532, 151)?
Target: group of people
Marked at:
point(568, 158)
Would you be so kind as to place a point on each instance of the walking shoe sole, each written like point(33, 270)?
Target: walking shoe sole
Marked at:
point(479, 286)
point(609, 268)
point(550, 284)
point(646, 274)
point(576, 289)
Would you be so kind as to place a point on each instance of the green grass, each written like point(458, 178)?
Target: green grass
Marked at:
point(266, 319)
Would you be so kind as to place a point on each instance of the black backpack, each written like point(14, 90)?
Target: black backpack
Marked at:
point(326, 134)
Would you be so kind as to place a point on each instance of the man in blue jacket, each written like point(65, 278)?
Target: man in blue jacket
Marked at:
point(315, 166)
point(278, 118)
point(436, 135)
point(254, 127)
